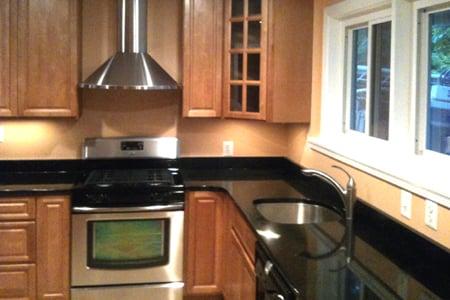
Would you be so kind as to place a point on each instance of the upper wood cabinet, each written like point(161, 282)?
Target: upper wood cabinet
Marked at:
point(266, 59)
point(39, 58)
point(8, 57)
point(203, 47)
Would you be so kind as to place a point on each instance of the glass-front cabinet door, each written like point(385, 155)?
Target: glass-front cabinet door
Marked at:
point(245, 58)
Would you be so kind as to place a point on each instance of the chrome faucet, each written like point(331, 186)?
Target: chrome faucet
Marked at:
point(347, 194)
point(348, 197)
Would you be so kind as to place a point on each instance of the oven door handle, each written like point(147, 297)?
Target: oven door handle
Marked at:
point(87, 210)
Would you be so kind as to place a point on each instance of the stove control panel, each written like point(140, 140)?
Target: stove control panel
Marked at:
point(132, 146)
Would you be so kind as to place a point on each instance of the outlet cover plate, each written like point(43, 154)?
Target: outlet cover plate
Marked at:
point(406, 204)
point(228, 148)
point(431, 214)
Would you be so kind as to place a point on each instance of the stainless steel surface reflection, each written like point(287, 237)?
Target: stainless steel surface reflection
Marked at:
point(296, 212)
point(83, 275)
point(168, 291)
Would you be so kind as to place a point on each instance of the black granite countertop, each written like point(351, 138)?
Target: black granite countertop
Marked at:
point(40, 182)
point(388, 259)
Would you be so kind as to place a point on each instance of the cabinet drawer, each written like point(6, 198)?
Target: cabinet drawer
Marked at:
point(17, 209)
point(244, 232)
point(17, 242)
point(17, 282)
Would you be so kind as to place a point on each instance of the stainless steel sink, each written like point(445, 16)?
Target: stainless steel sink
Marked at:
point(295, 211)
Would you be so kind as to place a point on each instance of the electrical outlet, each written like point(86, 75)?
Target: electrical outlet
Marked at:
point(405, 204)
point(2, 134)
point(431, 214)
point(228, 148)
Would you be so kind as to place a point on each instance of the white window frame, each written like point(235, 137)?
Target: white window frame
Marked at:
point(350, 27)
point(402, 160)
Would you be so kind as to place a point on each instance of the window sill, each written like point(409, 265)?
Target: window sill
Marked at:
point(395, 168)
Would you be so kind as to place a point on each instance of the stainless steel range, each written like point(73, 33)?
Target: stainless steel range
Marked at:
point(127, 225)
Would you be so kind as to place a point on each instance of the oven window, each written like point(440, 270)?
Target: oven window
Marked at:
point(123, 244)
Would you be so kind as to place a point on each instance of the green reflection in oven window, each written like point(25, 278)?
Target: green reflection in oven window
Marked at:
point(128, 240)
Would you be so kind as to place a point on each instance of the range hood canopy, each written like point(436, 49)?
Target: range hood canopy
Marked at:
point(131, 67)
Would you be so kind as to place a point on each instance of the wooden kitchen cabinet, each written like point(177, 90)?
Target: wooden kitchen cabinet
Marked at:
point(248, 59)
point(239, 281)
point(268, 60)
point(34, 248)
point(204, 240)
point(220, 252)
point(18, 282)
point(8, 58)
point(203, 48)
point(53, 259)
point(39, 58)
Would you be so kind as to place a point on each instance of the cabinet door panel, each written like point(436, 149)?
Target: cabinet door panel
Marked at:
point(19, 208)
point(48, 57)
point(8, 57)
point(18, 282)
point(204, 242)
point(203, 36)
point(53, 232)
point(17, 242)
point(245, 34)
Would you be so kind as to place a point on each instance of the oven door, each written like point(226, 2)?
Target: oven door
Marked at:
point(127, 247)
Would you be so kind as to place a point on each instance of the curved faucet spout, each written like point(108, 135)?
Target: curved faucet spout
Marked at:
point(347, 194)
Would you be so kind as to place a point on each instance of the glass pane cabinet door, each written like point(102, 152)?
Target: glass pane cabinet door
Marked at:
point(121, 244)
point(245, 21)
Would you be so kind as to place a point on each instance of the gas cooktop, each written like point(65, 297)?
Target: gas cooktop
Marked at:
point(134, 177)
point(122, 187)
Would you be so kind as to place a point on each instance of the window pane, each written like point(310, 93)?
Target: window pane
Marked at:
point(236, 66)
point(236, 98)
point(237, 35)
point(438, 123)
point(252, 98)
point(253, 66)
point(359, 79)
point(237, 8)
point(254, 34)
point(379, 110)
point(254, 7)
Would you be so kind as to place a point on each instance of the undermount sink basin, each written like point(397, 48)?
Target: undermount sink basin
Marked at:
point(295, 211)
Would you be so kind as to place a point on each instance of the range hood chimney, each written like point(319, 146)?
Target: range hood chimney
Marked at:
point(131, 67)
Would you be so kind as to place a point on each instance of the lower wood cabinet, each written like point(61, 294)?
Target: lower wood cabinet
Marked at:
point(34, 248)
point(220, 249)
point(18, 281)
point(239, 260)
point(204, 221)
point(53, 234)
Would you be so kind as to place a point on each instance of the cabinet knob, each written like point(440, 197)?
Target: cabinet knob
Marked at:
point(276, 296)
point(267, 267)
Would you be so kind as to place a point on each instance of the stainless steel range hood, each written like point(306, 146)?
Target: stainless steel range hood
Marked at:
point(131, 67)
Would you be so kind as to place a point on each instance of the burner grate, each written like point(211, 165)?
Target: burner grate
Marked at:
point(144, 176)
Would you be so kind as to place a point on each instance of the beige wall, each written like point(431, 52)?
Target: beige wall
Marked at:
point(132, 113)
point(378, 193)
point(124, 113)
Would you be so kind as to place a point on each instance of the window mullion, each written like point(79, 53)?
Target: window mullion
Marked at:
point(369, 79)
point(422, 110)
point(348, 79)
